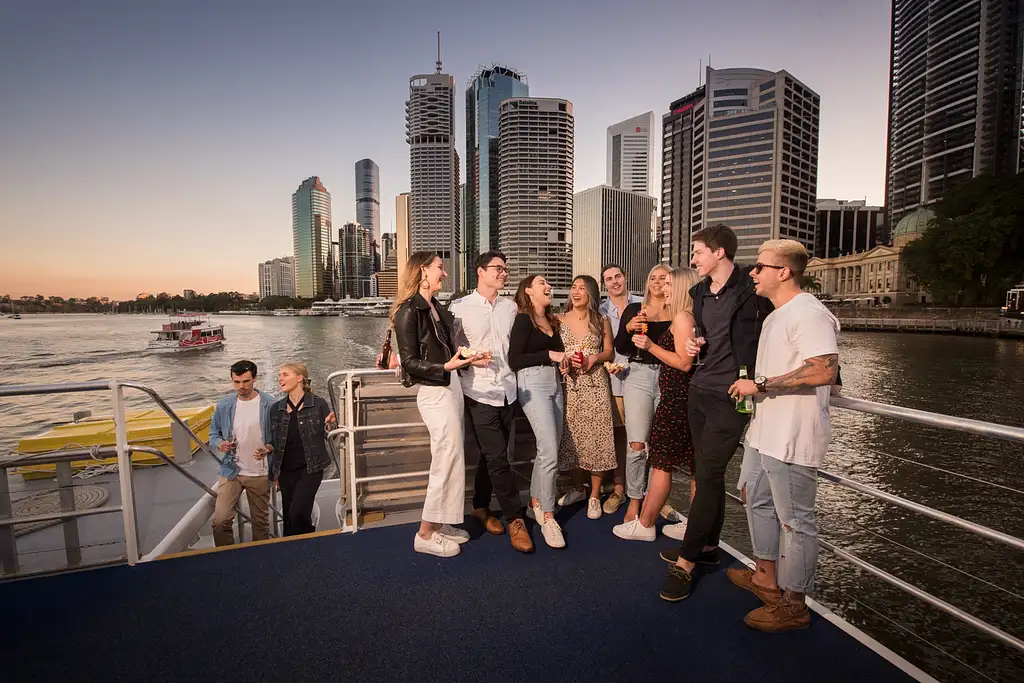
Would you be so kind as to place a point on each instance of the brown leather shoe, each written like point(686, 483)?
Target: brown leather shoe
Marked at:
point(519, 536)
point(490, 523)
point(744, 578)
point(779, 617)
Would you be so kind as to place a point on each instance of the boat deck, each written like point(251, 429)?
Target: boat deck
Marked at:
point(365, 607)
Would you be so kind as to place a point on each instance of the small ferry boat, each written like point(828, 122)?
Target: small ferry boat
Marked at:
point(187, 332)
point(1014, 307)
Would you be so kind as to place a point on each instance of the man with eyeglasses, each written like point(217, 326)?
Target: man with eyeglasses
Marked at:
point(483, 322)
point(797, 362)
point(729, 315)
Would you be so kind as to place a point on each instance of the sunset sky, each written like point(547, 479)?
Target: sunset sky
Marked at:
point(154, 146)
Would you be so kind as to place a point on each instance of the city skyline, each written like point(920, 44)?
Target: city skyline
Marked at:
point(171, 102)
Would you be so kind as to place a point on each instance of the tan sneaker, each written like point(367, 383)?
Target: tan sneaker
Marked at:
point(491, 523)
point(779, 617)
point(613, 502)
point(744, 578)
point(519, 536)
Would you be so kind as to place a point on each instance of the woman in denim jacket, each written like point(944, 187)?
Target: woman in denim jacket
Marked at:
point(301, 421)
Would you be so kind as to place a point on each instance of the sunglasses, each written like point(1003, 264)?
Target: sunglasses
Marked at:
point(758, 267)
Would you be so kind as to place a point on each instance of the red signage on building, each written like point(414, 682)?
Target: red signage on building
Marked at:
point(682, 109)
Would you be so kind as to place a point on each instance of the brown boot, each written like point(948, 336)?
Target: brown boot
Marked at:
point(779, 617)
point(744, 578)
point(490, 523)
point(519, 536)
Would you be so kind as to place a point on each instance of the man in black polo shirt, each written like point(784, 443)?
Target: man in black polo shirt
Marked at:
point(729, 315)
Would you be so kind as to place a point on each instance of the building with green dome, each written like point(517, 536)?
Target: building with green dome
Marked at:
point(870, 278)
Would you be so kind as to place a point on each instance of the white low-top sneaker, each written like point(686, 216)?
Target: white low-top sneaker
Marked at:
point(676, 531)
point(460, 536)
point(594, 508)
point(552, 533)
point(634, 531)
point(572, 497)
point(439, 545)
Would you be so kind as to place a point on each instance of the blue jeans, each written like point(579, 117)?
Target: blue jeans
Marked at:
point(640, 396)
point(780, 503)
point(540, 395)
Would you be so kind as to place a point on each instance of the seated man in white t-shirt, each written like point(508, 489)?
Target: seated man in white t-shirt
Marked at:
point(797, 360)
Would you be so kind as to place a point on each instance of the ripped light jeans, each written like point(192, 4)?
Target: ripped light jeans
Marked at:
point(780, 511)
point(640, 396)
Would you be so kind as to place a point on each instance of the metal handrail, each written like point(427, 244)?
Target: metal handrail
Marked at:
point(960, 424)
point(122, 449)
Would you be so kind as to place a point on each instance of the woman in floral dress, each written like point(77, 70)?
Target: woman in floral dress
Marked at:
point(588, 442)
point(671, 447)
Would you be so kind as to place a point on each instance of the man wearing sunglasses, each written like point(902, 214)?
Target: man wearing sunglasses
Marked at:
point(729, 315)
point(797, 362)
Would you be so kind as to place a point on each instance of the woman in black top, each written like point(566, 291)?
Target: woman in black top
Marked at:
point(640, 387)
point(424, 331)
point(301, 422)
point(534, 352)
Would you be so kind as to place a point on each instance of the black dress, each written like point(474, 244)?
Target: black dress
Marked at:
point(671, 446)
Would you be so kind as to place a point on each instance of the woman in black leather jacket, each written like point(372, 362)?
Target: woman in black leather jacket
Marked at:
point(300, 422)
point(429, 358)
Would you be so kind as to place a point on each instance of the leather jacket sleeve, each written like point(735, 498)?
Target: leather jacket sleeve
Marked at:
point(407, 331)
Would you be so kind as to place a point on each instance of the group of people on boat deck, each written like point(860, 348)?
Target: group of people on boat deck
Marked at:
point(666, 375)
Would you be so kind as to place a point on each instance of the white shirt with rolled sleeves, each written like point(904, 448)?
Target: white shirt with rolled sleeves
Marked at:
point(484, 326)
point(794, 426)
point(609, 311)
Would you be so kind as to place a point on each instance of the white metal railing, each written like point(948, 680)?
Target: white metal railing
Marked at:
point(977, 427)
point(63, 458)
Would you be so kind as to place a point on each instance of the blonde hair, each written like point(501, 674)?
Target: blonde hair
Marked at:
point(682, 280)
point(410, 279)
point(652, 271)
point(793, 254)
point(300, 370)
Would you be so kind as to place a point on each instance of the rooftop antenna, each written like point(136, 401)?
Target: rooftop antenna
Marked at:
point(700, 72)
point(438, 53)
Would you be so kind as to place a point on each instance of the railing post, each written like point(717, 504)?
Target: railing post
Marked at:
point(181, 441)
point(66, 492)
point(8, 545)
point(350, 447)
point(124, 469)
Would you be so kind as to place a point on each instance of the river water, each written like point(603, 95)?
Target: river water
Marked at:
point(970, 377)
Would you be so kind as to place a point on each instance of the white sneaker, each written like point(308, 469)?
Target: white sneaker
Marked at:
point(634, 531)
point(676, 531)
point(669, 514)
point(459, 536)
point(594, 508)
point(439, 545)
point(552, 533)
point(535, 514)
point(572, 497)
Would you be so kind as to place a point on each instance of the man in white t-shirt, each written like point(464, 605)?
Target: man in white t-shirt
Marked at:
point(797, 360)
point(241, 431)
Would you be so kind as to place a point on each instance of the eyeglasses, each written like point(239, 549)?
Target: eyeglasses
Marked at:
point(500, 269)
point(758, 267)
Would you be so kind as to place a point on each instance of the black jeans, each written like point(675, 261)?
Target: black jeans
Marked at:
point(494, 429)
point(298, 490)
point(716, 429)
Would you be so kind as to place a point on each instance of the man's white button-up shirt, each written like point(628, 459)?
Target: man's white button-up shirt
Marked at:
point(484, 326)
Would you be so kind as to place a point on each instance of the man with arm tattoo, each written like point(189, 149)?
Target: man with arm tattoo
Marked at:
point(797, 361)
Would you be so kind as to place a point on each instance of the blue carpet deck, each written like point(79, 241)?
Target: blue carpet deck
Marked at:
point(365, 607)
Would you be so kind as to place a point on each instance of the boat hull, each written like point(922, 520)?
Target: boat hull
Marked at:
point(185, 349)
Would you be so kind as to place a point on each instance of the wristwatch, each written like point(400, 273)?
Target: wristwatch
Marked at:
point(760, 383)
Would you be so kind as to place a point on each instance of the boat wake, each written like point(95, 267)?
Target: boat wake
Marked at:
point(52, 362)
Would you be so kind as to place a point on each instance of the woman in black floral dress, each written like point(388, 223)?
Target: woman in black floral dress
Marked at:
point(670, 448)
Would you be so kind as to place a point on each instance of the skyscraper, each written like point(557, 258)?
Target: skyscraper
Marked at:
point(755, 158)
point(402, 230)
point(315, 267)
point(355, 261)
point(535, 176)
point(630, 153)
point(955, 107)
point(489, 87)
point(387, 246)
point(368, 203)
point(677, 178)
point(611, 225)
point(848, 227)
point(434, 170)
point(277, 277)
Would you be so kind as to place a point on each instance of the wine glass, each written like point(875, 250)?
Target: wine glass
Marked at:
point(698, 333)
point(637, 354)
